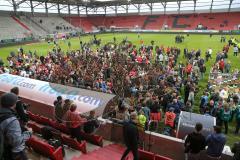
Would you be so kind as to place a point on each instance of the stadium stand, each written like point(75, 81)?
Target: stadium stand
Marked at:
point(39, 26)
point(44, 148)
point(36, 29)
point(10, 28)
point(213, 21)
point(54, 24)
point(82, 22)
point(94, 139)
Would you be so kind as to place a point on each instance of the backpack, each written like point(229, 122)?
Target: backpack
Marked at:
point(2, 145)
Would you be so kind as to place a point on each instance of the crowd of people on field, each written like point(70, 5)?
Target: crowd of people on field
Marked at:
point(152, 86)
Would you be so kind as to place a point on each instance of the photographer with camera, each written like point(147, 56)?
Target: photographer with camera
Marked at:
point(20, 109)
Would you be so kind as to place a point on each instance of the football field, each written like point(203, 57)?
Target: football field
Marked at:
point(202, 42)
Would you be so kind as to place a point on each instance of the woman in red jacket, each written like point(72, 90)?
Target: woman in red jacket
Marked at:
point(74, 122)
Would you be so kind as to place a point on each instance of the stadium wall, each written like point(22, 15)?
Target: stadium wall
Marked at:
point(157, 143)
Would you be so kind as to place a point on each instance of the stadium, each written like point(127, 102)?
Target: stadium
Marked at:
point(119, 79)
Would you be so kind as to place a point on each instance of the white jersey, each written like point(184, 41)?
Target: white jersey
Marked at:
point(210, 51)
point(160, 57)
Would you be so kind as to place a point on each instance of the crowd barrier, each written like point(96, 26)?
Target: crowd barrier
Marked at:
point(157, 143)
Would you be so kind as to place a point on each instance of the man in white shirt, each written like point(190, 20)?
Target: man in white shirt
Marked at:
point(235, 50)
point(160, 58)
point(210, 52)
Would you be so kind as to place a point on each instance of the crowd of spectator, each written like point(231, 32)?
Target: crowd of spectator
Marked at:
point(151, 85)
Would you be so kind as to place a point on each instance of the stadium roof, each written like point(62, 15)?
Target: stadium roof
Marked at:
point(99, 3)
point(104, 7)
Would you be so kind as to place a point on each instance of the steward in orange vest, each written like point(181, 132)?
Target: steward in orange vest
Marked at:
point(170, 118)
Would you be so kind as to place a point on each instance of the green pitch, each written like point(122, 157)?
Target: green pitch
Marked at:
point(202, 42)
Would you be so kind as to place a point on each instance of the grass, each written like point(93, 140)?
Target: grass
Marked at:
point(202, 42)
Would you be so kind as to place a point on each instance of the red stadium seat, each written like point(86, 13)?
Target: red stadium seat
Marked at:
point(158, 157)
point(31, 116)
point(37, 118)
point(144, 155)
point(94, 139)
point(62, 127)
point(45, 149)
point(35, 127)
point(74, 144)
point(46, 121)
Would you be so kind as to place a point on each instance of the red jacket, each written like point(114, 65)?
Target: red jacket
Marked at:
point(74, 120)
point(170, 118)
point(221, 64)
point(188, 69)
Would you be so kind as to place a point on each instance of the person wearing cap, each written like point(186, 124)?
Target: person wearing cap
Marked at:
point(131, 136)
point(20, 108)
point(215, 142)
point(14, 138)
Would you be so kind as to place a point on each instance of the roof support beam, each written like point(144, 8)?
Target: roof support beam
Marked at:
point(179, 6)
point(194, 5)
point(40, 3)
point(150, 5)
point(105, 10)
point(46, 8)
point(32, 7)
point(69, 10)
point(64, 7)
point(74, 8)
point(10, 1)
point(52, 6)
point(135, 6)
point(78, 11)
point(211, 6)
point(230, 4)
point(139, 5)
point(127, 9)
point(20, 2)
point(58, 8)
point(164, 6)
point(124, 7)
point(14, 6)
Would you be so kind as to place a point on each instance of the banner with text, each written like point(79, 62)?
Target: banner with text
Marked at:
point(46, 93)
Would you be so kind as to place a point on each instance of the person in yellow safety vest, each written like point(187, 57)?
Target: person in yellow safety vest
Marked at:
point(233, 41)
point(170, 118)
point(142, 119)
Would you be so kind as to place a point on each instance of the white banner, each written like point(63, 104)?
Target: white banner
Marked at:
point(46, 93)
